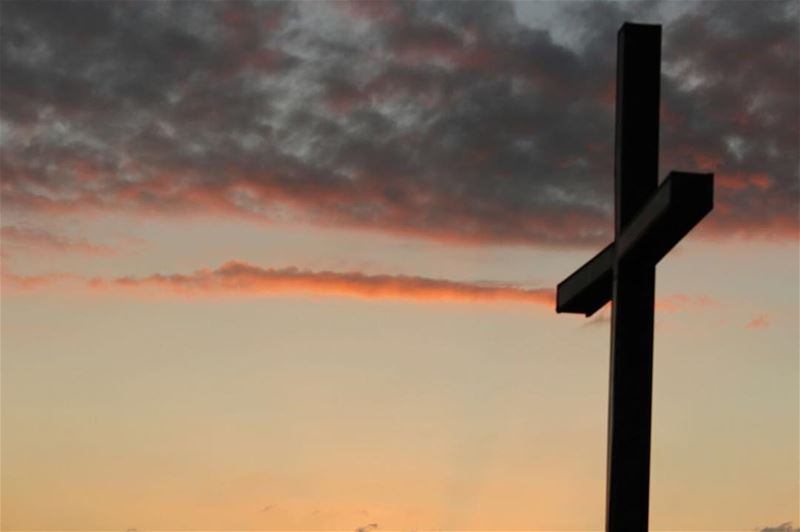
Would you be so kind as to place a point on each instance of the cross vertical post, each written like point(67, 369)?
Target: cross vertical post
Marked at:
point(649, 220)
point(631, 370)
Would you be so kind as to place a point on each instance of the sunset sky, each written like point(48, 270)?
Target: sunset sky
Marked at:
point(292, 265)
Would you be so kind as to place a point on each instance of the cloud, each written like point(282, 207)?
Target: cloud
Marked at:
point(236, 278)
point(761, 321)
point(670, 303)
point(449, 121)
point(239, 278)
point(36, 282)
point(783, 527)
point(42, 240)
point(682, 302)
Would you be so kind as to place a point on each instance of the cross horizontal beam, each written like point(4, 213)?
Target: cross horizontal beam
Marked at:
point(589, 288)
point(680, 202)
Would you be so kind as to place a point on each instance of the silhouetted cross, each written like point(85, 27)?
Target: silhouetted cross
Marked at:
point(649, 221)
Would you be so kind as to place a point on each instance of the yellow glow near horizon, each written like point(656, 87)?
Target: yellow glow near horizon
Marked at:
point(334, 412)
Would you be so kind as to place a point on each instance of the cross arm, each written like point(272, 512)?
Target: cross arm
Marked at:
point(589, 288)
point(679, 203)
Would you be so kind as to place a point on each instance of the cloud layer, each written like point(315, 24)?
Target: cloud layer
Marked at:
point(444, 120)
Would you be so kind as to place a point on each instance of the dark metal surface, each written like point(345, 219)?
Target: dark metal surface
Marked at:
point(589, 288)
point(649, 221)
point(682, 200)
point(631, 371)
point(679, 203)
point(636, 147)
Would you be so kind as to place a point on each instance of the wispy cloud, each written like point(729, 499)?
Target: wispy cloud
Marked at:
point(241, 279)
point(761, 321)
point(36, 282)
point(681, 302)
point(36, 239)
point(671, 303)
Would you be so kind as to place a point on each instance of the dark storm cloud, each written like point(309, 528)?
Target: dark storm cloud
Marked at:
point(732, 106)
point(445, 120)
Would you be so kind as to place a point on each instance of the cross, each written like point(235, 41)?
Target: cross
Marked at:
point(649, 220)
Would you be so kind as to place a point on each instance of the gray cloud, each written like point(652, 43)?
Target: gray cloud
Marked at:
point(783, 527)
point(444, 120)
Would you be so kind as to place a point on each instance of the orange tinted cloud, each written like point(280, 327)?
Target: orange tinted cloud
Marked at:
point(670, 304)
point(35, 282)
point(236, 278)
point(239, 278)
point(680, 302)
point(744, 180)
point(762, 321)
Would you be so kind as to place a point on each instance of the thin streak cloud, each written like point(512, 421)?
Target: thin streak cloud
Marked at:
point(240, 278)
point(237, 278)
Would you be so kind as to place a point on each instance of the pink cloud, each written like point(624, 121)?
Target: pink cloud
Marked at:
point(239, 278)
point(27, 283)
point(236, 278)
point(761, 321)
point(683, 302)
